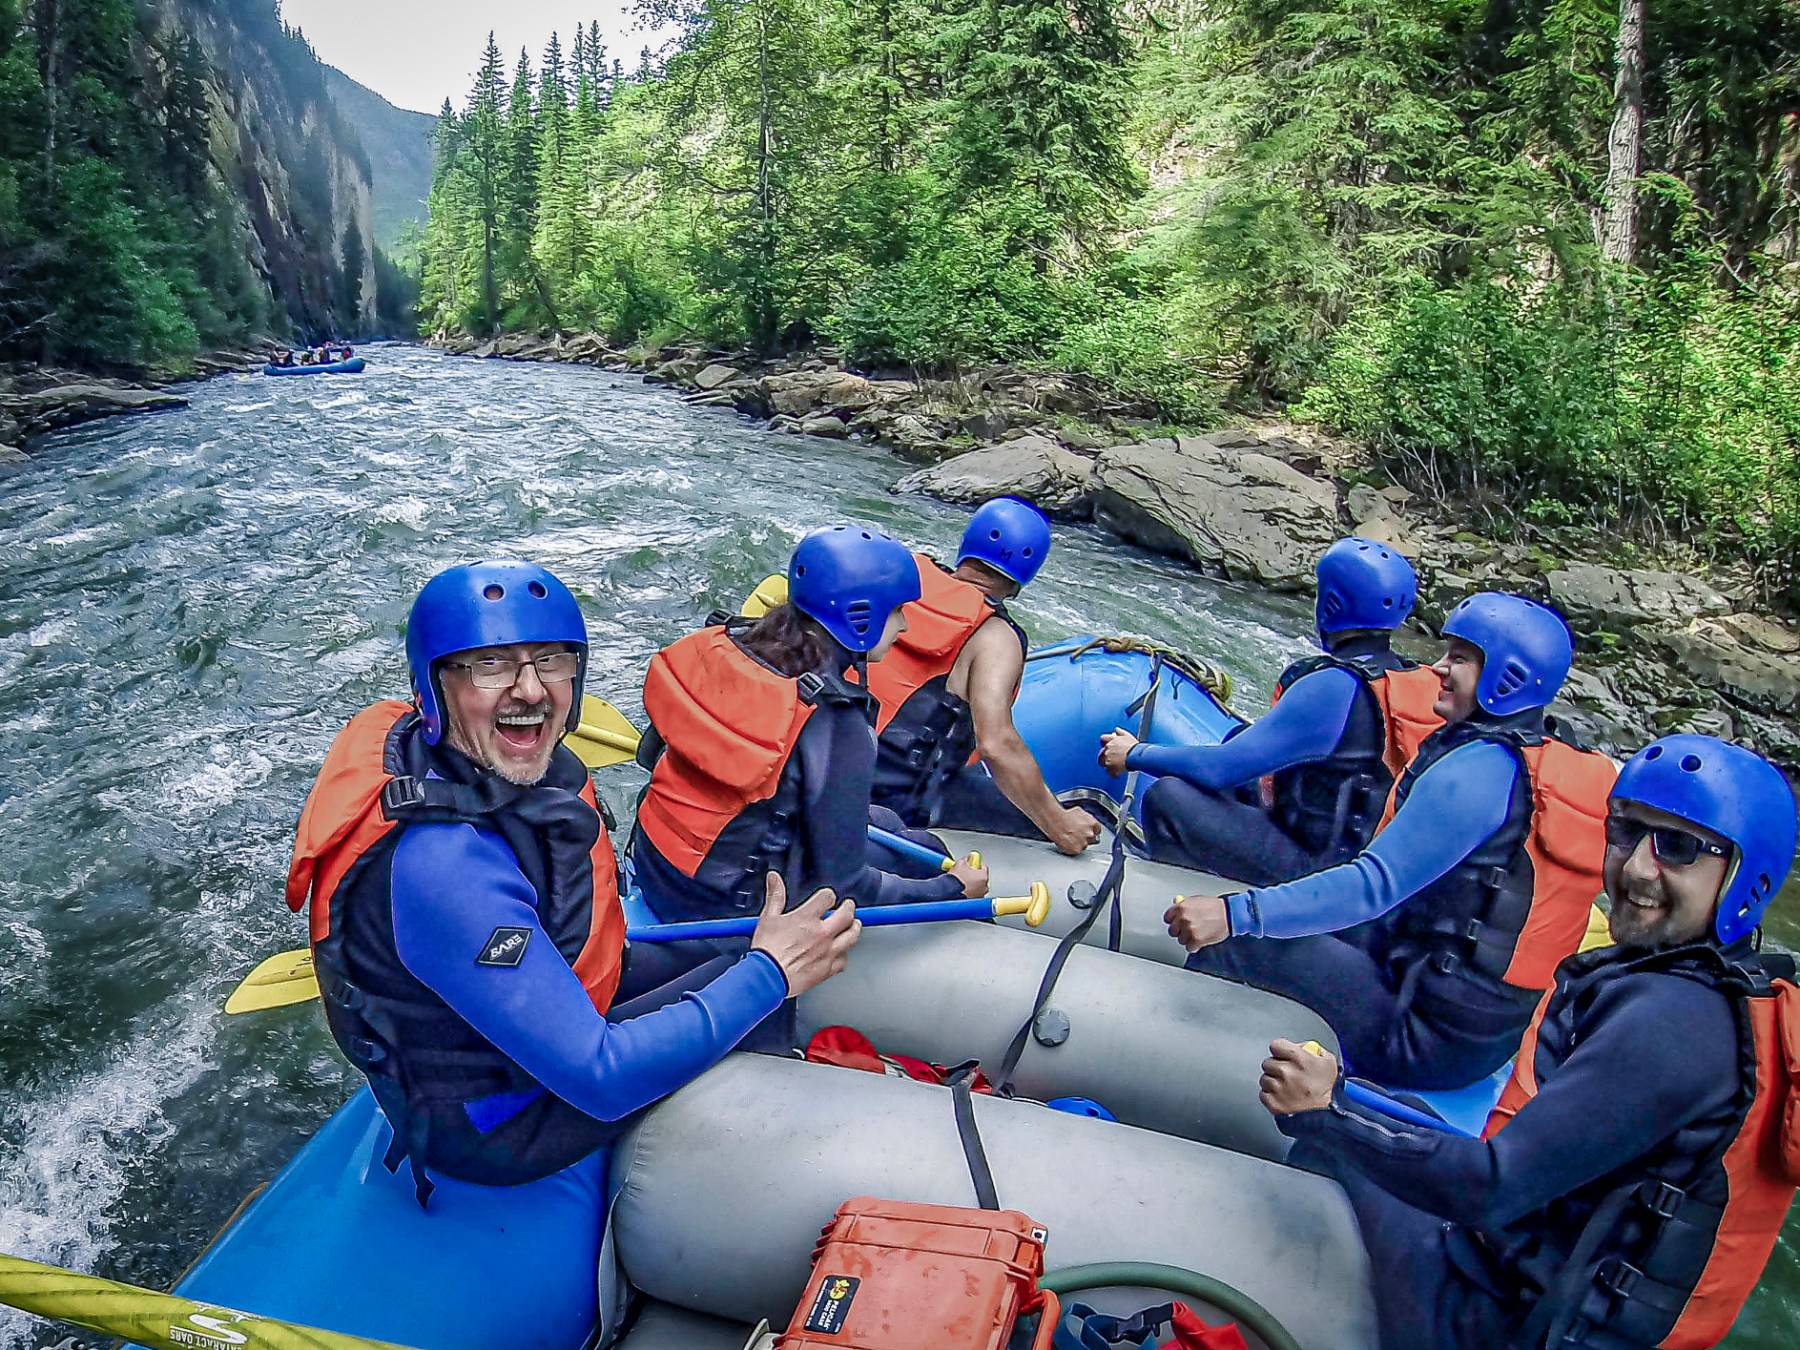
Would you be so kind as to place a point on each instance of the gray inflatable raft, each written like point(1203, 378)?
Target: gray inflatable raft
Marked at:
point(720, 1194)
point(1169, 1050)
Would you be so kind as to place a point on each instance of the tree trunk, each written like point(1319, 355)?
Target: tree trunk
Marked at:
point(1618, 235)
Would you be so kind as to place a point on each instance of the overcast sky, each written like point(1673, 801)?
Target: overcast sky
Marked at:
point(416, 53)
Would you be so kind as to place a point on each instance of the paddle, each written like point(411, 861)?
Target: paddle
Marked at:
point(1378, 1101)
point(604, 737)
point(288, 977)
point(921, 853)
point(770, 591)
point(1035, 907)
point(163, 1321)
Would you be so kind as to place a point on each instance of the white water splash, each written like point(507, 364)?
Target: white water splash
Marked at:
point(59, 1190)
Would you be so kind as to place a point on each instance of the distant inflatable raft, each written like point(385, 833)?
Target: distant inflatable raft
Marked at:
point(354, 366)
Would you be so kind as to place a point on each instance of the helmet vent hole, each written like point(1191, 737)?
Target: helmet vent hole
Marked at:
point(1690, 763)
point(1513, 677)
point(859, 612)
point(1387, 602)
point(537, 589)
point(1654, 752)
point(494, 591)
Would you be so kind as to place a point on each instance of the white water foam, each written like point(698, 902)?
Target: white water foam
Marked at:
point(59, 1193)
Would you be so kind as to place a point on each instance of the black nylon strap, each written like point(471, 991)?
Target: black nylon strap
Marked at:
point(976, 1156)
point(1105, 898)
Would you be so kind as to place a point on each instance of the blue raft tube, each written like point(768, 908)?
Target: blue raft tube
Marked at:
point(354, 366)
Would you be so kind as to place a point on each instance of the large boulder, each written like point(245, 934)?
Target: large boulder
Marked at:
point(1708, 652)
point(66, 404)
point(1033, 467)
point(1617, 599)
point(715, 375)
point(836, 392)
point(1228, 509)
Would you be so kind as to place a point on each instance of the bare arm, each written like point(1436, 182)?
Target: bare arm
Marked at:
point(995, 665)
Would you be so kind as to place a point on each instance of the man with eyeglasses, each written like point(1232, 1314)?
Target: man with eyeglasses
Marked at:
point(1634, 1176)
point(465, 912)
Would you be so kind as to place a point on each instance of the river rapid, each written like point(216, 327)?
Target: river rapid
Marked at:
point(193, 603)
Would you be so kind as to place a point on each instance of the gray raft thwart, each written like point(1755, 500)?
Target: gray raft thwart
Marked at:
point(722, 1191)
point(1170, 1050)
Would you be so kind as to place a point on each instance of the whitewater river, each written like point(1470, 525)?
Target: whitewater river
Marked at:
point(191, 605)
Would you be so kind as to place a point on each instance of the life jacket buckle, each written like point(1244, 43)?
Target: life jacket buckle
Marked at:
point(401, 793)
point(1618, 1277)
point(809, 686)
point(1445, 963)
point(1663, 1199)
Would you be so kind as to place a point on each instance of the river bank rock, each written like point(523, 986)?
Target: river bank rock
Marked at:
point(76, 399)
point(1033, 467)
point(1229, 510)
point(1613, 599)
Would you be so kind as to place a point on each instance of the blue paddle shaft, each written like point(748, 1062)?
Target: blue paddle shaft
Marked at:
point(1385, 1105)
point(906, 848)
point(928, 911)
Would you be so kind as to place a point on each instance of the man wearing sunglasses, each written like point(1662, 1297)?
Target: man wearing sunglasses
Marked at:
point(465, 913)
point(1633, 1178)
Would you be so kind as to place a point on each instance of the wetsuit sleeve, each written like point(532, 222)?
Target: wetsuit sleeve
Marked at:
point(1627, 1086)
point(454, 885)
point(1304, 727)
point(837, 767)
point(1455, 806)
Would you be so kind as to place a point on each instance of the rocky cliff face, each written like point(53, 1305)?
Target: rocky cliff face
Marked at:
point(280, 146)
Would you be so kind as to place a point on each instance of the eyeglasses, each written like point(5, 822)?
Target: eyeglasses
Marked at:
point(502, 672)
point(1678, 848)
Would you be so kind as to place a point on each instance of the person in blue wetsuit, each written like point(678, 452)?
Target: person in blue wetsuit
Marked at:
point(465, 908)
point(1343, 726)
point(1427, 951)
point(1633, 1179)
point(762, 748)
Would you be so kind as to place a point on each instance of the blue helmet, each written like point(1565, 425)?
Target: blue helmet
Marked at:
point(849, 579)
point(1363, 584)
point(1010, 536)
point(1732, 792)
point(1526, 650)
point(487, 604)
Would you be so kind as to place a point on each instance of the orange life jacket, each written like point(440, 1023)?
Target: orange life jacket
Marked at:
point(1332, 807)
point(1651, 1276)
point(729, 725)
point(354, 806)
point(1517, 918)
point(943, 618)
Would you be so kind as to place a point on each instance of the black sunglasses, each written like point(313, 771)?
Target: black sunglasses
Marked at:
point(1678, 848)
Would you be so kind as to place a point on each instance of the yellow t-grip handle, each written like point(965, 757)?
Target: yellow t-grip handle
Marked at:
point(1035, 907)
point(974, 860)
point(1314, 1048)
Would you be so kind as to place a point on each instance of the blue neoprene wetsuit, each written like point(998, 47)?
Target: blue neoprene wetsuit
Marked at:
point(1458, 1227)
point(1305, 726)
point(453, 886)
point(1457, 804)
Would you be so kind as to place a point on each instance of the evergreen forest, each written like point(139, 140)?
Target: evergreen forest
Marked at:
point(138, 225)
point(1543, 256)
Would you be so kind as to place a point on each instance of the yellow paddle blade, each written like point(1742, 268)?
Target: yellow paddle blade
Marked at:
point(283, 979)
point(144, 1317)
point(1599, 931)
point(770, 592)
point(604, 737)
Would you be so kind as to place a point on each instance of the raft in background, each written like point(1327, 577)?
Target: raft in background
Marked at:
point(354, 366)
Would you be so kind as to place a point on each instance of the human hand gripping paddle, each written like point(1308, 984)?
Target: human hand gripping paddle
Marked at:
point(1302, 1076)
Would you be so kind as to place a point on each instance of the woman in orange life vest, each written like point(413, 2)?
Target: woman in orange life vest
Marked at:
point(1631, 1182)
point(1427, 951)
point(947, 689)
point(465, 907)
point(763, 749)
point(1343, 727)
